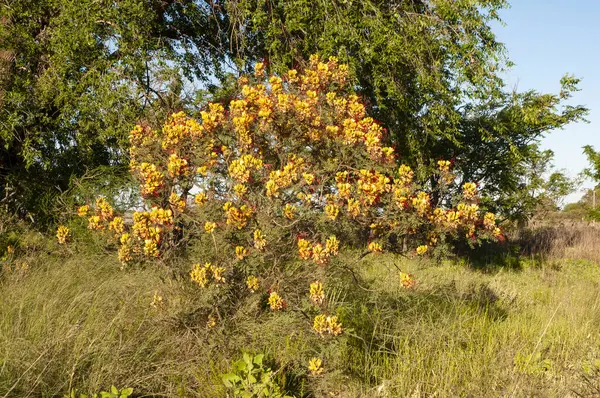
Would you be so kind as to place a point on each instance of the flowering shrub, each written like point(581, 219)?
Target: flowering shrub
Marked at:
point(291, 170)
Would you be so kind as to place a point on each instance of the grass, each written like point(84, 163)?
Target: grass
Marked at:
point(78, 321)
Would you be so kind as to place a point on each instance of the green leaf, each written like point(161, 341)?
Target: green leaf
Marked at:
point(114, 390)
point(258, 359)
point(229, 379)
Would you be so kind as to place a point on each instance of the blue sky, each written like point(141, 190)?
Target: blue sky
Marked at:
point(546, 39)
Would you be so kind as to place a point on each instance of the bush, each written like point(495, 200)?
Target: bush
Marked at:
point(275, 186)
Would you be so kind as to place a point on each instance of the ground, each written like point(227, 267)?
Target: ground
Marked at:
point(78, 321)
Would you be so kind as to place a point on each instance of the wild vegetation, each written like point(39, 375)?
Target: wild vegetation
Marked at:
point(303, 199)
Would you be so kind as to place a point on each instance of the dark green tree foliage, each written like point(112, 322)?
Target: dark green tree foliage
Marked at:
point(79, 73)
point(76, 75)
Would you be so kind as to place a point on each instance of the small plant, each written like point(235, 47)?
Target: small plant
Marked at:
point(250, 378)
point(114, 393)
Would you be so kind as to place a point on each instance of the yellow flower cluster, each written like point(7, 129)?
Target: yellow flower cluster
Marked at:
point(260, 240)
point(252, 283)
point(374, 247)
point(62, 234)
point(422, 249)
point(421, 203)
point(241, 252)
point(315, 366)
point(152, 178)
point(317, 294)
point(406, 280)
point(82, 211)
point(209, 227)
point(202, 274)
point(237, 217)
point(469, 190)
point(280, 179)
point(240, 169)
point(327, 324)
point(178, 129)
point(371, 185)
point(319, 254)
point(276, 303)
point(444, 165)
point(177, 166)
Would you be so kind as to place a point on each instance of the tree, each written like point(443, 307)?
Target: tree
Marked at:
point(427, 71)
point(75, 77)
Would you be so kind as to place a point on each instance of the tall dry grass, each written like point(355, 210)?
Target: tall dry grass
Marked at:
point(571, 240)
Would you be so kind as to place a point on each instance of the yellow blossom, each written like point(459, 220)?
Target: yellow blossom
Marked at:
point(252, 283)
point(241, 252)
point(317, 294)
point(332, 245)
point(406, 280)
point(199, 273)
point(82, 211)
point(209, 227)
point(260, 241)
point(422, 249)
point(375, 247)
point(276, 303)
point(62, 234)
point(315, 366)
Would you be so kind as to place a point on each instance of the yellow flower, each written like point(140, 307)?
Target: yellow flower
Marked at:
point(104, 209)
point(240, 189)
point(289, 211)
point(200, 198)
point(374, 247)
point(332, 245)
point(82, 211)
point(304, 249)
point(241, 252)
point(252, 283)
point(469, 190)
point(317, 294)
point(276, 302)
point(177, 203)
point(62, 234)
point(333, 326)
point(260, 241)
point(444, 165)
point(407, 280)
point(211, 322)
point(117, 225)
point(218, 274)
point(489, 220)
point(332, 211)
point(353, 207)
point(405, 175)
point(209, 227)
point(308, 178)
point(320, 255)
point(315, 366)
point(151, 248)
point(199, 273)
point(422, 249)
point(320, 324)
point(177, 166)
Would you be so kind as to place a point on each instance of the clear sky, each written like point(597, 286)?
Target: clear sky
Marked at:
point(546, 39)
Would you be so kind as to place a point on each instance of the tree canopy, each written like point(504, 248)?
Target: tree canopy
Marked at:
point(76, 75)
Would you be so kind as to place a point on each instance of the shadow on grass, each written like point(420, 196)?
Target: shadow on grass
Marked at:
point(381, 322)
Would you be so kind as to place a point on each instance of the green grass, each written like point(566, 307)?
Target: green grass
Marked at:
point(78, 321)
